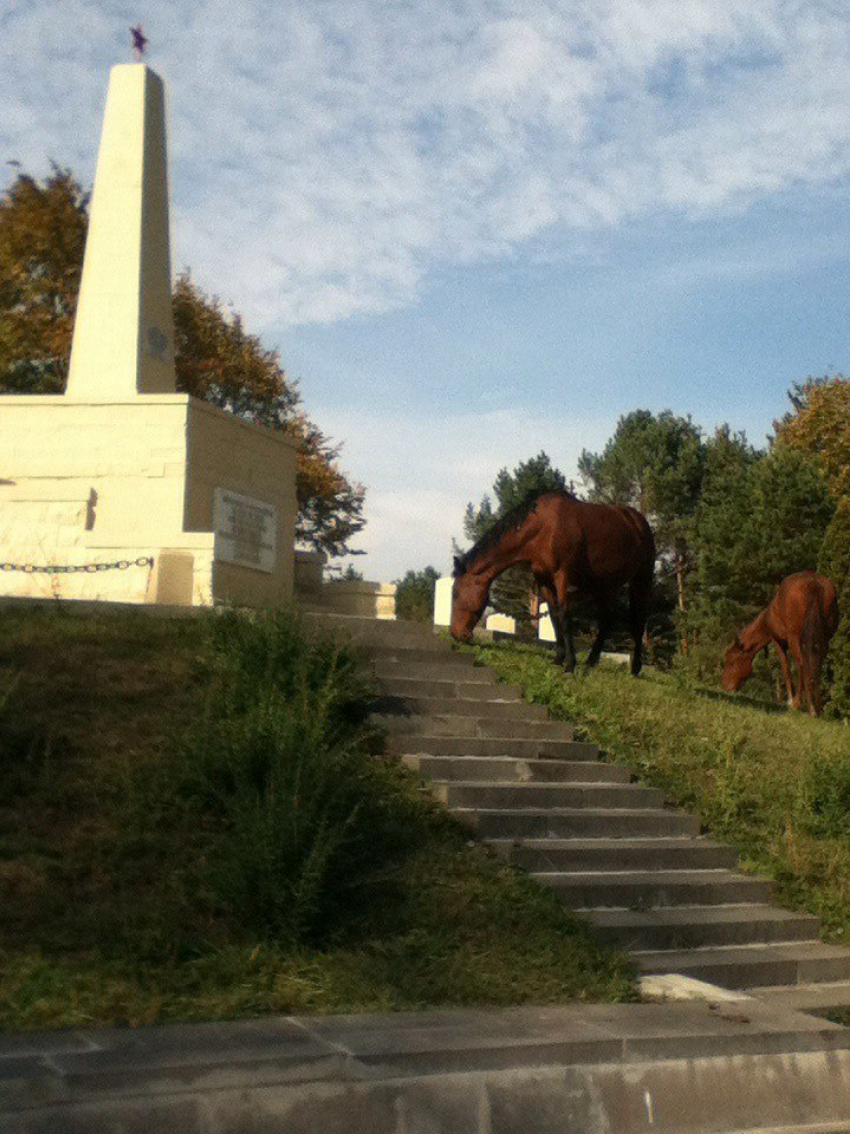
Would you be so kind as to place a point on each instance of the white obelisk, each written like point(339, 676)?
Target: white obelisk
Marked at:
point(123, 341)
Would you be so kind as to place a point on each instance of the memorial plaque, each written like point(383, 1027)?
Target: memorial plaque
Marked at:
point(245, 531)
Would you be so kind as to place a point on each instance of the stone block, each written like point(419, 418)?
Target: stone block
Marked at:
point(500, 624)
point(443, 601)
point(166, 1116)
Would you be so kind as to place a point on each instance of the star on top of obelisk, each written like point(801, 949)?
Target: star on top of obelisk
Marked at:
point(139, 42)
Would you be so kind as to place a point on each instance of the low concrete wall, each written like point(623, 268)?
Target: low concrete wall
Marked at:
point(572, 1069)
point(355, 597)
point(361, 598)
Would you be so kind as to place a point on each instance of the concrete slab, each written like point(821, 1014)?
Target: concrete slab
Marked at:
point(564, 1068)
point(806, 997)
point(461, 1041)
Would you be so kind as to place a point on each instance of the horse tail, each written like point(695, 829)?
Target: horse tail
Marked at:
point(814, 638)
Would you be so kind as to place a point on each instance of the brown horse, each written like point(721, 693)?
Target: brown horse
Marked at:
point(801, 618)
point(572, 548)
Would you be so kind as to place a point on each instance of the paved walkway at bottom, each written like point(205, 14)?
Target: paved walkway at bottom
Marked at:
point(679, 1068)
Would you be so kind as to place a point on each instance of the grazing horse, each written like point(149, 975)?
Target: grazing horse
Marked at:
point(801, 618)
point(572, 548)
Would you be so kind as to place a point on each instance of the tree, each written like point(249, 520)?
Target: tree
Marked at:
point(219, 361)
point(760, 517)
point(513, 591)
point(722, 576)
point(834, 562)
point(42, 239)
point(414, 596)
point(654, 462)
point(819, 424)
point(42, 236)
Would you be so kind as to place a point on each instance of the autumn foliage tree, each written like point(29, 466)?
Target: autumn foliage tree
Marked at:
point(221, 362)
point(819, 424)
point(42, 237)
point(43, 228)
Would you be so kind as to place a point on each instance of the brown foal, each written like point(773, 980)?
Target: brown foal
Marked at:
point(800, 620)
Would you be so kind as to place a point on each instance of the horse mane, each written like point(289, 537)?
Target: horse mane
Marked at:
point(511, 519)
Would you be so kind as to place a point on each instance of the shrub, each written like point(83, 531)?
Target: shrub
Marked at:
point(312, 825)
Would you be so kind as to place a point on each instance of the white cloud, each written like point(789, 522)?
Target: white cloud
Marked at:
point(326, 160)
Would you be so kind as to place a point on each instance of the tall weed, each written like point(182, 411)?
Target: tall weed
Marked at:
point(312, 825)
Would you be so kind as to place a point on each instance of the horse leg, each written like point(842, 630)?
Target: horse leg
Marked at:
point(797, 654)
point(786, 671)
point(812, 686)
point(640, 589)
point(548, 592)
point(562, 607)
point(567, 631)
point(604, 609)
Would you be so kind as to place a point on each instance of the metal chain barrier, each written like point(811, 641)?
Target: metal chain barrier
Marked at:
point(77, 568)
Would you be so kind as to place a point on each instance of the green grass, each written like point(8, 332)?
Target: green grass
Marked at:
point(774, 784)
point(194, 824)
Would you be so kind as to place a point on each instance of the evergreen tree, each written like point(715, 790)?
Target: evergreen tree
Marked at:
point(655, 463)
point(720, 534)
point(761, 517)
point(414, 596)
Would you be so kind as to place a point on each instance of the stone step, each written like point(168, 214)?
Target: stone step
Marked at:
point(816, 998)
point(423, 745)
point(397, 685)
point(391, 653)
point(616, 854)
point(447, 724)
point(646, 889)
point(535, 796)
point(459, 707)
point(816, 1128)
point(694, 927)
point(742, 966)
point(450, 668)
point(367, 631)
point(565, 822)
point(504, 769)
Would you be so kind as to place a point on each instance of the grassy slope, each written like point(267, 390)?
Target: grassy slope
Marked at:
point(107, 912)
point(774, 784)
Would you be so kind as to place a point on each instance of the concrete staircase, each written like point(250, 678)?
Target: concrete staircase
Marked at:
point(638, 870)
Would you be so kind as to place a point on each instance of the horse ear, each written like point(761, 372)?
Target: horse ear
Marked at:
point(457, 565)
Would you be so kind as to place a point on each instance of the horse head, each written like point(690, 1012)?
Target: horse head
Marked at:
point(738, 666)
point(469, 598)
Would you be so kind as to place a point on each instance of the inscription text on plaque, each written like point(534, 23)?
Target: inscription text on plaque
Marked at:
point(245, 531)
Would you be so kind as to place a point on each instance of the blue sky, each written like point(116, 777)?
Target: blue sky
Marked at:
point(477, 229)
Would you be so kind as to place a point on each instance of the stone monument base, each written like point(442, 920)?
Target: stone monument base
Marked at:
point(210, 499)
